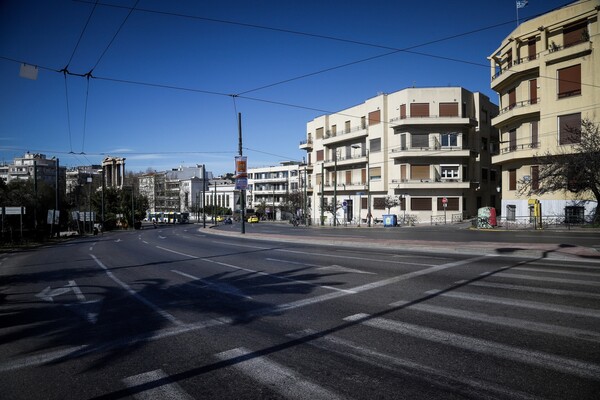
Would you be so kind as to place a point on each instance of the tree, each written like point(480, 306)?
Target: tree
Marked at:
point(391, 201)
point(575, 169)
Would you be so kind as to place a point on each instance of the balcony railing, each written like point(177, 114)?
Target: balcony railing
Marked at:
point(519, 61)
point(330, 134)
point(515, 147)
point(519, 104)
point(396, 119)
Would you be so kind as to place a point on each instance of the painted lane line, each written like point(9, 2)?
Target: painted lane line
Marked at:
point(513, 323)
point(461, 282)
point(292, 262)
point(283, 278)
point(435, 377)
point(586, 312)
point(241, 245)
point(415, 274)
point(547, 279)
point(169, 390)
point(482, 346)
point(177, 252)
point(143, 241)
point(275, 376)
point(136, 295)
point(216, 287)
point(533, 289)
point(334, 268)
point(330, 255)
point(557, 271)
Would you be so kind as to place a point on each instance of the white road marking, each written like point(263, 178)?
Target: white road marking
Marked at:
point(176, 252)
point(533, 289)
point(556, 271)
point(335, 268)
point(136, 295)
point(169, 391)
point(436, 377)
point(242, 245)
point(488, 347)
point(547, 279)
point(215, 286)
point(557, 330)
point(331, 255)
point(586, 312)
point(275, 376)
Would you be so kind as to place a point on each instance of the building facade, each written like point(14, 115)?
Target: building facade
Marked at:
point(114, 172)
point(270, 187)
point(546, 76)
point(35, 166)
point(428, 148)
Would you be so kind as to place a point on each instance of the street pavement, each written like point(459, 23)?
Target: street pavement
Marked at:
point(372, 237)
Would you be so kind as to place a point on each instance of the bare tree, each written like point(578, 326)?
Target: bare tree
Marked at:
point(575, 169)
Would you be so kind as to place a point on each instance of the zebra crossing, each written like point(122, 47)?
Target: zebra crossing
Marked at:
point(548, 319)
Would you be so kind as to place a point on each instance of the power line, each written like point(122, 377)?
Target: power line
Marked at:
point(81, 35)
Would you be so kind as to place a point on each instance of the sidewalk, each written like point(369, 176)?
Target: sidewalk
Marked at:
point(530, 250)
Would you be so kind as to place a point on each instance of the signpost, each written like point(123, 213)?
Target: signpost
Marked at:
point(445, 204)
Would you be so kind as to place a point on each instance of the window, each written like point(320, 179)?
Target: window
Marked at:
point(484, 144)
point(535, 177)
point(512, 98)
point(364, 203)
point(419, 172)
point(347, 126)
point(575, 33)
point(531, 49)
point(375, 145)
point(374, 117)
point(512, 179)
point(533, 91)
point(379, 203)
point(319, 155)
point(363, 123)
point(402, 111)
point(449, 139)
point(452, 205)
point(420, 140)
point(512, 139)
point(569, 128)
point(333, 130)
point(534, 135)
point(449, 171)
point(448, 109)
point(375, 173)
point(484, 174)
point(493, 174)
point(420, 203)
point(484, 116)
point(319, 133)
point(569, 81)
point(419, 110)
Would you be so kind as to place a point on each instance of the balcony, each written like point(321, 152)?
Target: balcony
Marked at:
point(266, 192)
point(432, 120)
point(519, 109)
point(354, 133)
point(510, 74)
point(353, 186)
point(515, 152)
point(272, 179)
point(438, 183)
point(345, 161)
point(559, 53)
point(306, 144)
point(432, 151)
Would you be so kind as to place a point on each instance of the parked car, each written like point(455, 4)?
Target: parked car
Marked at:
point(220, 218)
point(253, 219)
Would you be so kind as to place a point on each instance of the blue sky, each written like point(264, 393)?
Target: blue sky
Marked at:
point(161, 91)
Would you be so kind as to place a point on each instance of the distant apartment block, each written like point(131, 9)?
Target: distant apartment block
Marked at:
point(34, 166)
point(546, 75)
point(426, 147)
point(270, 187)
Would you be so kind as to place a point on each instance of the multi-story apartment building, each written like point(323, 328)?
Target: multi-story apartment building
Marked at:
point(427, 147)
point(546, 76)
point(35, 166)
point(178, 190)
point(271, 185)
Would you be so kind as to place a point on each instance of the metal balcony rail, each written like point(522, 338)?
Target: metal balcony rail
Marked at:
point(425, 116)
point(519, 104)
point(517, 147)
point(518, 61)
point(329, 134)
point(344, 158)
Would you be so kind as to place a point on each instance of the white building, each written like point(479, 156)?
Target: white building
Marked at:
point(270, 187)
point(429, 148)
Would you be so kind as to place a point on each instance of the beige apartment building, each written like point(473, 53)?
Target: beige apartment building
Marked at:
point(546, 75)
point(429, 148)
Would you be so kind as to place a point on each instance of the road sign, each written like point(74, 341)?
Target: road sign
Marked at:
point(444, 200)
point(14, 210)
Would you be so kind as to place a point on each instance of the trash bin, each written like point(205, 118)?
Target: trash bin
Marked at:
point(389, 220)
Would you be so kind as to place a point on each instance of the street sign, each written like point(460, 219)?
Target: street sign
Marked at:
point(14, 210)
point(444, 200)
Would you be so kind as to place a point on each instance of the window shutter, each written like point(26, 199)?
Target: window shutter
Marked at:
point(374, 117)
point(419, 110)
point(569, 81)
point(569, 128)
point(420, 203)
point(448, 109)
point(419, 172)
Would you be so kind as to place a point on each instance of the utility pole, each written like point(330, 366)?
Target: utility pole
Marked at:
point(322, 195)
point(103, 190)
point(35, 191)
point(57, 198)
point(335, 188)
point(242, 191)
point(305, 199)
point(203, 196)
point(369, 216)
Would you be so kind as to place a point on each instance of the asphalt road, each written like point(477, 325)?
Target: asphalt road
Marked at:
point(180, 313)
